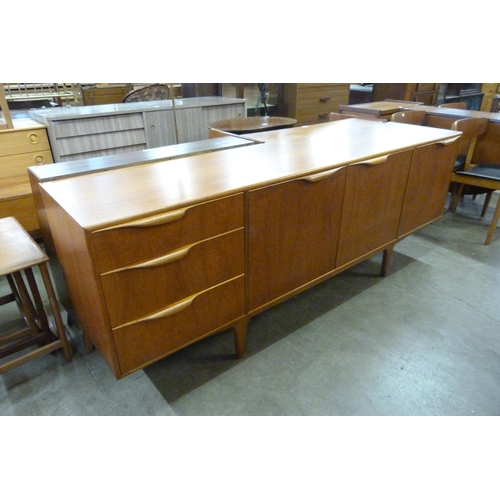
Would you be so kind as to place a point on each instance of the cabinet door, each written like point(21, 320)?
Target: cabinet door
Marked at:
point(428, 185)
point(373, 200)
point(159, 127)
point(293, 234)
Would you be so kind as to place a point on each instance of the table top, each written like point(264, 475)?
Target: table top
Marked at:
point(106, 198)
point(71, 113)
point(459, 113)
point(17, 249)
point(253, 123)
point(384, 107)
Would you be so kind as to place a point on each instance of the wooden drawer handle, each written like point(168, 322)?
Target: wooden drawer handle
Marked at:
point(158, 261)
point(39, 160)
point(320, 176)
point(33, 138)
point(447, 142)
point(324, 99)
point(155, 220)
point(373, 161)
point(323, 115)
point(164, 313)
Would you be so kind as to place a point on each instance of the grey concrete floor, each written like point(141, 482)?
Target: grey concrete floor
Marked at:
point(425, 340)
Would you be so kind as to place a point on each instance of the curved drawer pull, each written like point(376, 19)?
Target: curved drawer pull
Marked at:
point(323, 115)
point(33, 138)
point(324, 99)
point(158, 261)
point(155, 220)
point(320, 176)
point(372, 162)
point(163, 313)
point(447, 142)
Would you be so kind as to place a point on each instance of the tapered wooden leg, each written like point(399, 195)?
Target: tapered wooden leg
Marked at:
point(386, 260)
point(455, 197)
point(240, 336)
point(493, 224)
point(486, 203)
point(87, 343)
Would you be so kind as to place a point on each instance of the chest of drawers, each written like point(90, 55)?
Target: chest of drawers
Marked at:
point(24, 146)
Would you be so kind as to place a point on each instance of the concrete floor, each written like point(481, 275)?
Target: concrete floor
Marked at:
point(425, 340)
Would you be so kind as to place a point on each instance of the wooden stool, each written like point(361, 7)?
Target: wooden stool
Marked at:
point(18, 253)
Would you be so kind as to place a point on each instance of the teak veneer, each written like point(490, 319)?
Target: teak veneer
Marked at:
point(160, 255)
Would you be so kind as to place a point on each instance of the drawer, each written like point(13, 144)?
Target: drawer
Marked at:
point(23, 141)
point(427, 87)
point(98, 142)
point(97, 125)
point(136, 291)
point(152, 338)
point(17, 165)
point(143, 239)
point(314, 104)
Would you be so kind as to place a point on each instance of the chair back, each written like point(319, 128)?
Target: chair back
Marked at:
point(155, 92)
point(471, 128)
point(455, 105)
point(416, 117)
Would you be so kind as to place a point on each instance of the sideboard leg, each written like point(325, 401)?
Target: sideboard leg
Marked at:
point(240, 335)
point(386, 260)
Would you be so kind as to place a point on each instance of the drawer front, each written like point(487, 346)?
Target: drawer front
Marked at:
point(151, 237)
point(97, 125)
point(143, 342)
point(98, 142)
point(23, 141)
point(315, 103)
point(135, 292)
point(17, 165)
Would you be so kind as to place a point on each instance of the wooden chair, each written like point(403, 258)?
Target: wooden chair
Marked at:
point(416, 117)
point(333, 117)
point(468, 178)
point(18, 254)
point(455, 105)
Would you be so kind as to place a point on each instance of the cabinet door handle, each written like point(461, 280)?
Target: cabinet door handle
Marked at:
point(373, 161)
point(324, 99)
point(39, 160)
point(320, 176)
point(163, 313)
point(447, 142)
point(157, 262)
point(33, 138)
point(155, 220)
point(323, 115)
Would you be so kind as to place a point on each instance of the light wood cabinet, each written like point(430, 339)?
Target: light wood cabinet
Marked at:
point(311, 103)
point(23, 146)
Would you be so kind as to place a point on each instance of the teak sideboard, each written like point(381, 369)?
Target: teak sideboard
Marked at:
point(160, 255)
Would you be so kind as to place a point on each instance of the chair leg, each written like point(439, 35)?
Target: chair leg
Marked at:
point(486, 203)
point(456, 194)
point(493, 224)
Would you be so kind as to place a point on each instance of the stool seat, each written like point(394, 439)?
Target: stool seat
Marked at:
point(18, 254)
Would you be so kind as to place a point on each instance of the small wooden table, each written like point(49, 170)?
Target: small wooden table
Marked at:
point(377, 109)
point(19, 252)
point(253, 124)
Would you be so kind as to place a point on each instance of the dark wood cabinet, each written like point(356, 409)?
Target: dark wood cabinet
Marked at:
point(426, 93)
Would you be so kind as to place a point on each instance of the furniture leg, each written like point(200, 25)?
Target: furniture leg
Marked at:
point(486, 203)
point(240, 335)
point(455, 197)
point(55, 310)
point(493, 224)
point(386, 260)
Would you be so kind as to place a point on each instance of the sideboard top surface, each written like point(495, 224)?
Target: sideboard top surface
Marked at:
point(71, 113)
point(103, 199)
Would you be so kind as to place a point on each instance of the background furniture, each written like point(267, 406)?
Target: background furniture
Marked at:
point(105, 93)
point(5, 117)
point(378, 109)
point(415, 117)
point(454, 105)
point(158, 256)
point(18, 255)
point(470, 93)
point(92, 131)
point(311, 103)
point(489, 90)
point(426, 93)
point(24, 145)
point(253, 124)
